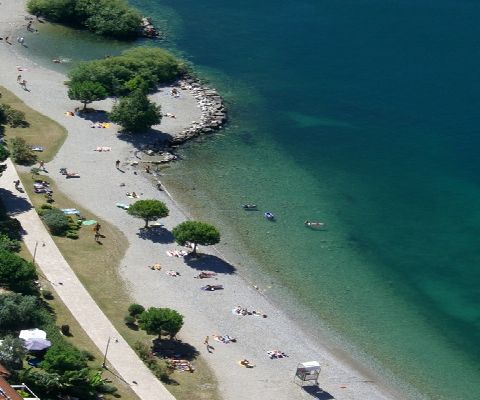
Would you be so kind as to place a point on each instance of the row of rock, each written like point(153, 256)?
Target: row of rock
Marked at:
point(214, 114)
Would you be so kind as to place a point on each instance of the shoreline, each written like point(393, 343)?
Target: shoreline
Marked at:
point(146, 284)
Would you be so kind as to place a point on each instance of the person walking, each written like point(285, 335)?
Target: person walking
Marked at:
point(19, 78)
point(42, 165)
point(117, 164)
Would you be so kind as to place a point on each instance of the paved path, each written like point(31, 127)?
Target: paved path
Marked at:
point(68, 287)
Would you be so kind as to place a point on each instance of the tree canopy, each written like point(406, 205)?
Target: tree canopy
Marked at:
point(148, 210)
point(136, 68)
point(86, 92)
point(12, 352)
point(113, 18)
point(135, 112)
point(16, 273)
point(161, 321)
point(64, 357)
point(19, 312)
point(197, 233)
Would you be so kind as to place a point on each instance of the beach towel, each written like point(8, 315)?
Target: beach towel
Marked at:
point(89, 222)
point(102, 148)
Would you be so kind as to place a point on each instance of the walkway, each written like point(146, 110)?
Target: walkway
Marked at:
point(51, 262)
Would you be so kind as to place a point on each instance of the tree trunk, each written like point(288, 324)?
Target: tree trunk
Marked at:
point(146, 224)
point(84, 105)
point(194, 250)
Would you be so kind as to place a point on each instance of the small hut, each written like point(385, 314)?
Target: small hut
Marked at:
point(307, 372)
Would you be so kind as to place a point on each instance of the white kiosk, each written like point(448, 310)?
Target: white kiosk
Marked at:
point(307, 372)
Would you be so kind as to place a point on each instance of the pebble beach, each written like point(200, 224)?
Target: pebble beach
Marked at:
point(101, 186)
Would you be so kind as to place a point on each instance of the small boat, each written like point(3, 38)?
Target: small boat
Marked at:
point(314, 224)
point(249, 207)
point(268, 215)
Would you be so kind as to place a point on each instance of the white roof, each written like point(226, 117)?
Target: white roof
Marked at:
point(310, 365)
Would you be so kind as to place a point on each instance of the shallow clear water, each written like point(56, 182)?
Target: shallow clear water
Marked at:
point(361, 114)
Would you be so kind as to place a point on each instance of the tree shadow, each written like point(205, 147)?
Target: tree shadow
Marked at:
point(317, 393)
point(93, 115)
point(152, 139)
point(167, 348)
point(14, 204)
point(209, 262)
point(156, 235)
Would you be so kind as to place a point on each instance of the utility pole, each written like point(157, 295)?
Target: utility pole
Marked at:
point(35, 252)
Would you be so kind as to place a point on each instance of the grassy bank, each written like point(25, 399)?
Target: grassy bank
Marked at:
point(42, 131)
point(97, 265)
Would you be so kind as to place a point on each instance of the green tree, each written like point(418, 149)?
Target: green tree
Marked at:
point(161, 321)
point(135, 112)
point(9, 244)
point(57, 221)
point(148, 210)
point(135, 309)
point(86, 92)
point(19, 312)
point(196, 233)
point(15, 272)
point(21, 152)
point(62, 358)
point(12, 352)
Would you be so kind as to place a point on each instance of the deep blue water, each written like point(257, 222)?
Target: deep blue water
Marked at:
point(363, 114)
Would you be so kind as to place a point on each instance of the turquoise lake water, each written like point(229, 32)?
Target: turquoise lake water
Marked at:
point(364, 115)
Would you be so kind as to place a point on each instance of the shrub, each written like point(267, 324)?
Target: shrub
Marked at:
point(62, 358)
point(8, 244)
point(46, 206)
point(158, 367)
point(10, 227)
point(65, 329)
point(135, 309)
point(47, 294)
point(15, 272)
point(12, 352)
point(72, 235)
point(22, 153)
point(57, 221)
point(129, 320)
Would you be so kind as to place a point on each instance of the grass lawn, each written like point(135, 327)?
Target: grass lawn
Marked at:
point(42, 131)
point(96, 265)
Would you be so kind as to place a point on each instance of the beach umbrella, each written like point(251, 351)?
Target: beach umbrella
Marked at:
point(37, 344)
point(32, 334)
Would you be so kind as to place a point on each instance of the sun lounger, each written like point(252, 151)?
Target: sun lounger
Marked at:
point(72, 175)
point(275, 354)
point(37, 148)
point(70, 211)
point(102, 148)
point(212, 288)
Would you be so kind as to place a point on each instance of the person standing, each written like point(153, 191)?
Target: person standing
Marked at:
point(19, 78)
point(42, 165)
point(117, 164)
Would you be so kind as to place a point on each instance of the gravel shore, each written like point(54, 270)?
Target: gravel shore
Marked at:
point(101, 186)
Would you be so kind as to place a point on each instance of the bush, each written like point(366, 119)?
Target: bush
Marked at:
point(22, 153)
point(62, 358)
point(10, 227)
point(15, 272)
point(46, 206)
point(135, 309)
point(129, 320)
point(158, 367)
point(72, 235)
point(47, 294)
point(8, 244)
point(65, 329)
point(57, 221)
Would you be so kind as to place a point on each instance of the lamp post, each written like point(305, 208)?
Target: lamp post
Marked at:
point(35, 252)
point(104, 365)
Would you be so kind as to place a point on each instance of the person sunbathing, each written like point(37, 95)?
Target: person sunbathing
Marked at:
point(212, 288)
point(246, 363)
